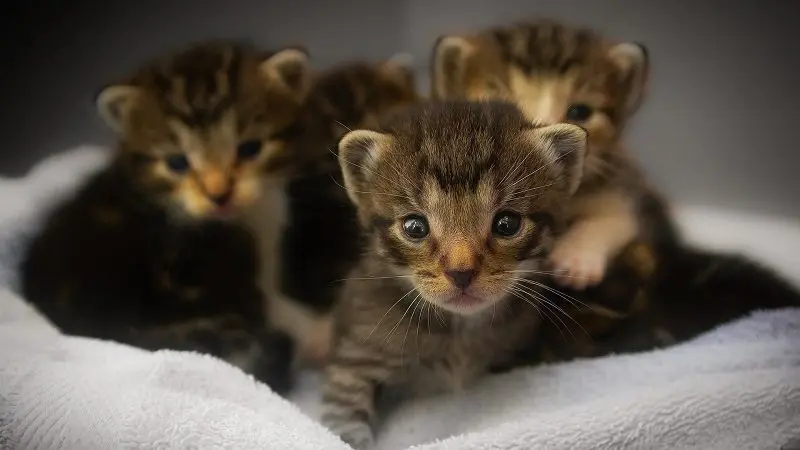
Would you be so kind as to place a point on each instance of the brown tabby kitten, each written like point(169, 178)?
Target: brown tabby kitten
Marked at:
point(351, 95)
point(459, 202)
point(142, 253)
point(655, 291)
point(560, 74)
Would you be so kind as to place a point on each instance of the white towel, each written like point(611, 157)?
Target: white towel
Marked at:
point(737, 387)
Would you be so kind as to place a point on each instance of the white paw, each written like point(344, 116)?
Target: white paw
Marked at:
point(356, 434)
point(577, 265)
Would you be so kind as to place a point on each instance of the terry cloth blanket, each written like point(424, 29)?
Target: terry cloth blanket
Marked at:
point(736, 387)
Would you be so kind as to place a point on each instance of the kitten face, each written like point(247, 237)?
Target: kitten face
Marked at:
point(554, 73)
point(201, 129)
point(461, 197)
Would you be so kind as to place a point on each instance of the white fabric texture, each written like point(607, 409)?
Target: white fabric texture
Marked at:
point(736, 387)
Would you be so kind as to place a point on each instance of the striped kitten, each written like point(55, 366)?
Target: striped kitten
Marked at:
point(142, 253)
point(451, 202)
point(321, 242)
point(655, 291)
point(560, 74)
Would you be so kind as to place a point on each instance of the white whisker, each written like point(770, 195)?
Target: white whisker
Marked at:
point(386, 313)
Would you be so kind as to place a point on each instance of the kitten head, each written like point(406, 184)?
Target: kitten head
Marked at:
point(201, 128)
point(462, 198)
point(355, 95)
point(554, 73)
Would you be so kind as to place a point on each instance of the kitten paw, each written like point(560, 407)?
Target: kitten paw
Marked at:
point(577, 266)
point(356, 434)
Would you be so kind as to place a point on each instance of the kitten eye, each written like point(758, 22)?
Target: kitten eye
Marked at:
point(506, 224)
point(178, 163)
point(415, 226)
point(248, 149)
point(578, 113)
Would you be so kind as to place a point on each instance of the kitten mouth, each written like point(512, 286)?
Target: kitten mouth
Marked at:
point(223, 212)
point(466, 301)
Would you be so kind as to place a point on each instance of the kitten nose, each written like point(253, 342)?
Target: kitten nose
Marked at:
point(461, 278)
point(223, 198)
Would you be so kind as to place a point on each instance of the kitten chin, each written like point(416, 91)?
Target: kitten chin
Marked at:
point(459, 203)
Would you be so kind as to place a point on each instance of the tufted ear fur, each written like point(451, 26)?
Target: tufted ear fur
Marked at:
point(566, 146)
point(449, 66)
point(633, 63)
point(358, 152)
point(289, 68)
point(116, 103)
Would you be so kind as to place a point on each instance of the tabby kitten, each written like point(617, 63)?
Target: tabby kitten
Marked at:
point(351, 95)
point(557, 74)
point(458, 202)
point(144, 253)
point(654, 291)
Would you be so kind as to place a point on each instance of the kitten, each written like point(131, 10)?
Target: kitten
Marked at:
point(350, 95)
point(145, 252)
point(623, 257)
point(459, 203)
point(560, 74)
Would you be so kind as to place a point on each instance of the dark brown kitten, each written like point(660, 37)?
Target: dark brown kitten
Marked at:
point(459, 203)
point(140, 254)
point(321, 242)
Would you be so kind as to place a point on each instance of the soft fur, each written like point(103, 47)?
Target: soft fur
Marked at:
point(406, 313)
point(141, 254)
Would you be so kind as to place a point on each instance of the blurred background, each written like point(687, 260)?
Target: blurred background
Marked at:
point(718, 127)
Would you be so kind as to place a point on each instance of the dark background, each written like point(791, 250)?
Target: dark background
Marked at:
point(719, 126)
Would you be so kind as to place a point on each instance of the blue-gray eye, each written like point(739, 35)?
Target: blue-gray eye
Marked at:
point(415, 226)
point(506, 224)
point(178, 163)
point(248, 149)
point(578, 112)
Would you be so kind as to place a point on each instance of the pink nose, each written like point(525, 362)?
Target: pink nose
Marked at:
point(223, 198)
point(461, 278)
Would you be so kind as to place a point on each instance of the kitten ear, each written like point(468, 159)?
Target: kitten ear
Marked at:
point(400, 69)
point(289, 68)
point(115, 103)
point(449, 66)
point(566, 145)
point(358, 151)
point(633, 62)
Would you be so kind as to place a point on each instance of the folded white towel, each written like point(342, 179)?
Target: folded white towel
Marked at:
point(737, 387)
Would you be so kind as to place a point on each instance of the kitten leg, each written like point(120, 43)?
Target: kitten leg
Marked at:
point(351, 380)
point(607, 222)
point(309, 331)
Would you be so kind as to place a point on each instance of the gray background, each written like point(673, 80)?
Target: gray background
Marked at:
point(718, 127)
